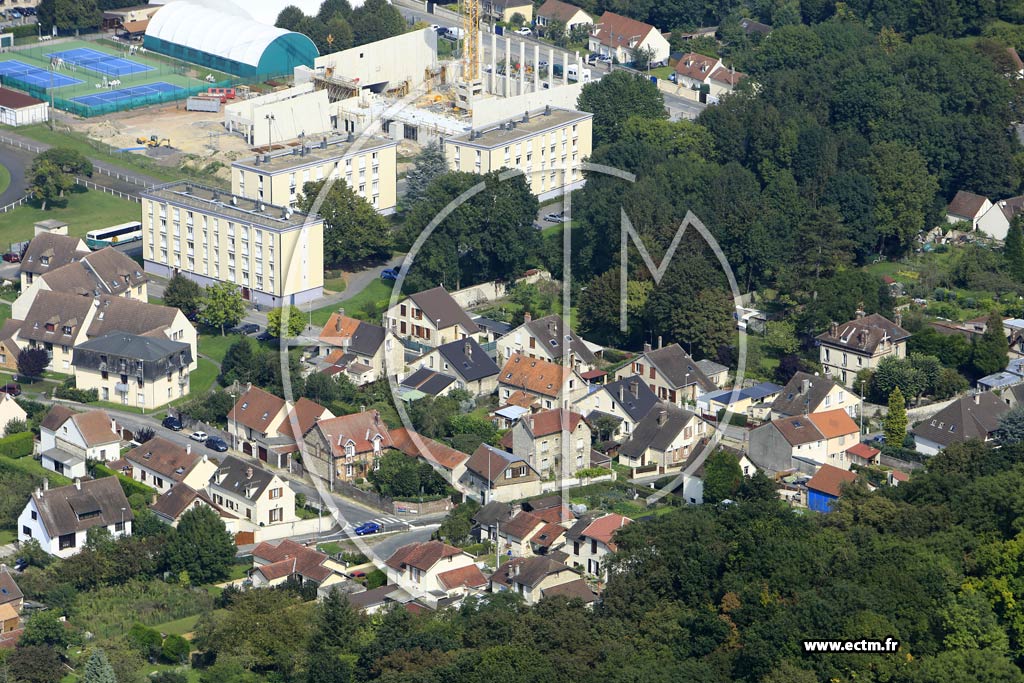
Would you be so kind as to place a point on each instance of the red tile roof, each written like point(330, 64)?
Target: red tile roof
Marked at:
point(696, 66)
point(829, 479)
point(534, 375)
point(862, 450)
point(361, 429)
point(417, 445)
point(729, 77)
point(96, 428)
point(522, 526)
point(900, 475)
point(256, 409)
point(615, 30)
point(603, 528)
point(304, 414)
point(559, 513)
point(548, 534)
point(551, 421)
point(16, 100)
point(339, 330)
point(833, 423)
point(423, 556)
point(291, 556)
point(464, 577)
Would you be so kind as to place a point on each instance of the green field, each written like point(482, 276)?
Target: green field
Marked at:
point(203, 377)
point(85, 211)
point(162, 68)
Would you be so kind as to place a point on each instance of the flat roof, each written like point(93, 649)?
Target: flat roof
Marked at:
point(220, 203)
point(500, 134)
point(337, 148)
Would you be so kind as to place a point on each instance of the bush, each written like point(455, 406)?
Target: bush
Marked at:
point(70, 392)
point(17, 445)
point(592, 472)
point(23, 31)
point(130, 486)
point(175, 649)
point(375, 579)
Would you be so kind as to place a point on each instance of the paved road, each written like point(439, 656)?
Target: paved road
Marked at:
point(16, 161)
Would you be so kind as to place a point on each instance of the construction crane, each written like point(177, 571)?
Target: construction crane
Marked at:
point(470, 40)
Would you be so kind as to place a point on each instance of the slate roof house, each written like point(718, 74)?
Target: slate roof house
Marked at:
point(431, 317)
point(531, 577)
point(466, 361)
point(130, 369)
point(547, 338)
point(861, 343)
point(493, 474)
point(623, 402)
point(60, 518)
point(253, 493)
point(670, 372)
point(664, 439)
point(806, 393)
point(969, 417)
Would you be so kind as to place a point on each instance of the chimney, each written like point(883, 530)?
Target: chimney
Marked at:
point(899, 319)
point(977, 399)
point(337, 323)
point(188, 449)
point(634, 388)
point(527, 317)
point(860, 311)
point(833, 329)
point(662, 417)
point(516, 570)
point(46, 484)
point(248, 386)
point(551, 328)
point(469, 350)
point(647, 347)
point(805, 387)
point(248, 473)
point(376, 418)
point(659, 341)
point(622, 393)
point(78, 482)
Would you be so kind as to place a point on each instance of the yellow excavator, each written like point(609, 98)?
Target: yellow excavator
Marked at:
point(153, 141)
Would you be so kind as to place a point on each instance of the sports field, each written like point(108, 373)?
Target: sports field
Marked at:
point(90, 78)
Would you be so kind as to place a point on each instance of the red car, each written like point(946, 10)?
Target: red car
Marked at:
point(13, 389)
point(12, 257)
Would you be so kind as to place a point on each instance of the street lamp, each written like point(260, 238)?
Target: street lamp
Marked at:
point(862, 406)
point(270, 134)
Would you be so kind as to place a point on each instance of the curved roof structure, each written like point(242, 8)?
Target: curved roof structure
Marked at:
point(225, 31)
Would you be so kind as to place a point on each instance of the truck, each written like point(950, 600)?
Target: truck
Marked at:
point(203, 103)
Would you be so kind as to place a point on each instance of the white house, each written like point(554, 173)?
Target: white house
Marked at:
point(620, 37)
point(995, 222)
point(68, 439)
point(162, 464)
point(60, 518)
point(432, 567)
point(252, 493)
point(967, 206)
point(10, 410)
point(590, 540)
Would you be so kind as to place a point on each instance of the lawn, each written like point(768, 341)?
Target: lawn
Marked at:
point(366, 305)
point(5, 313)
point(85, 211)
point(331, 548)
point(5, 178)
point(202, 378)
point(180, 627)
point(8, 536)
point(334, 281)
point(662, 72)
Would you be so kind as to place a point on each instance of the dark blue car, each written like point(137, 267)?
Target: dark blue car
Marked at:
point(368, 528)
point(216, 443)
point(389, 274)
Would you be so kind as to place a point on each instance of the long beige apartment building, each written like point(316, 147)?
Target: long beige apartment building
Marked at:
point(548, 146)
point(369, 167)
point(274, 254)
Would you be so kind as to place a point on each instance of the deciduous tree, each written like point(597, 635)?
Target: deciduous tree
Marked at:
point(722, 477)
point(203, 546)
point(353, 230)
point(290, 18)
point(223, 306)
point(616, 97)
point(296, 322)
point(47, 183)
point(992, 348)
point(184, 294)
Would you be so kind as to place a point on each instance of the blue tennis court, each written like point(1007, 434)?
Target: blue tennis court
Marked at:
point(33, 75)
point(100, 62)
point(113, 96)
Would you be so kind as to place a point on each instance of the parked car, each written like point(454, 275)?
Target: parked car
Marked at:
point(389, 274)
point(21, 564)
point(523, 31)
point(368, 528)
point(553, 217)
point(172, 423)
point(357, 575)
point(13, 388)
point(245, 328)
point(216, 443)
point(12, 257)
point(878, 440)
point(198, 436)
point(264, 336)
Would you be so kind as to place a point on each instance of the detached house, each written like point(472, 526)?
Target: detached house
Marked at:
point(623, 403)
point(253, 493)
point(531, 577)
point(664, 439)
point(539, 439)
point(163, 464)
point(60, 518)
point(620, 37)
point(180, 498)
point(493, 474)
point(996, 221)
point(571, 16)
point(347, 447)
point(825, 487)
point(550, 339)
point(68, 439)
point(549, 385)
point(269, 428)
point(969, 417)
point(851, 347)
point(591, 540)
point(47, 252)
point(804, 442)
point(446, 461)
point(806, 393)
point(363, 351)
point(695, 70)
point(967, 207)
point(467, 362)
point(431, 317)
point(670, 372)
point(433, 567)
point(273, 564)
point(10, 411)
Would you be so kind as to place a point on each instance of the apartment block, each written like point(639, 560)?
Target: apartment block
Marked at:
point(274, 254)
point(548, 146)
point(369, 167)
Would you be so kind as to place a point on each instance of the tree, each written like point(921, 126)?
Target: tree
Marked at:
point(1011, 427)
point(376, 20)
point(895, 424)
point(223, 306)
point(780, 336)
point(296, 322)
point(203, 546)
point(457, 527)
point(399, 476)
point(45, 629)
point(15, 426)
point(333, 8)
point(1013, 249)
point(353, 230)
point(290, 18)
point(142, 436)
point(426, 166)
point(47, 183)
point(69, 161)
point(98, 669)
point(184, 294)
point(35, 664)
point(175, 649)
point(992, 348)
point(555, 32)
point(239, 364)
point(642, 58)
point(69, 16)
point(904, 193)
point(617, 97)
point(146, 641)
point(722, 477)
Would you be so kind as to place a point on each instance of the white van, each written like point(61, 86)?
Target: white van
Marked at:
point(574, 74)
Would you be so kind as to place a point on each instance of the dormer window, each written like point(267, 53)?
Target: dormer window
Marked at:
point(67, 330)
point(45, 260)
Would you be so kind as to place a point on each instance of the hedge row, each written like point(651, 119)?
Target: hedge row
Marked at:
point(129, 485)
point(16, 445)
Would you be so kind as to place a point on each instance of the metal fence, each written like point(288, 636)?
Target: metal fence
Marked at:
point(14, 205)
point(117, 193)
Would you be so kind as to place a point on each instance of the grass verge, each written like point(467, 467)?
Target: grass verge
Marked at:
point(84, 211)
